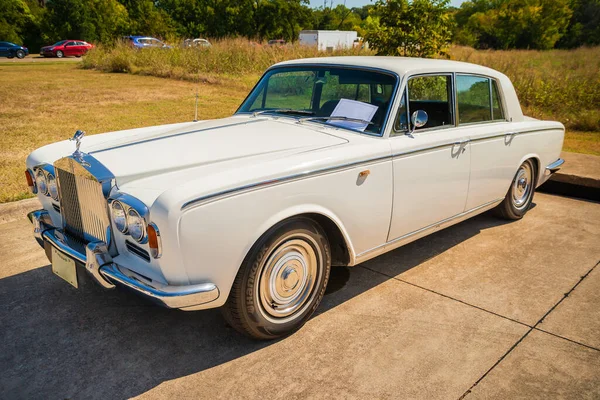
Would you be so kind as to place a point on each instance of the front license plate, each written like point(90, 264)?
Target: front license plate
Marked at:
point(64, 267)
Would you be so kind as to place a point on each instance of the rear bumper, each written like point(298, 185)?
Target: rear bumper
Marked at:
point(553, 167)
point(98, 263)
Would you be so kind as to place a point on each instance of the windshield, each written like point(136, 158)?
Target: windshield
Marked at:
point(316, 93)
point(59, 43)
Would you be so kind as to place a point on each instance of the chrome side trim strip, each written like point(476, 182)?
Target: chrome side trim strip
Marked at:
point(428, 227)
point(501, 135)
point(272, 182)
point(226, 193)
point(432, 148)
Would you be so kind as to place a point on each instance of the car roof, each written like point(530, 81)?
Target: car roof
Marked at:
point(399, 65)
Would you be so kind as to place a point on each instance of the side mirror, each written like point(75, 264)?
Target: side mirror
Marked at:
point(418, 119)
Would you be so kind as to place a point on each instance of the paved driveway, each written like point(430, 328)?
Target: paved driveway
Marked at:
point(485, 309)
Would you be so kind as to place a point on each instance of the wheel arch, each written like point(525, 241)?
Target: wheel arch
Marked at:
point(536, 163)
point(342, 251)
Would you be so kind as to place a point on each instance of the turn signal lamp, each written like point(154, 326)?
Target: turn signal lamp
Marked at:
point(154, 241)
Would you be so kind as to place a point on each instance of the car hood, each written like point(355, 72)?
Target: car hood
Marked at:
point(148, 161)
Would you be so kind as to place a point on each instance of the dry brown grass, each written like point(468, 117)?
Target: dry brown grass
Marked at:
point(562, 85)
point(41, 103)
point(44, 103)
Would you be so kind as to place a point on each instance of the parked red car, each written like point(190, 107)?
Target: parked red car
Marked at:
point(66, 48)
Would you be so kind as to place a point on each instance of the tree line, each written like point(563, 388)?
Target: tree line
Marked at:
point(393, 26)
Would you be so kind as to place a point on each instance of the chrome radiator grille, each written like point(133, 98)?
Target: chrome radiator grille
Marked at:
point(83, 206)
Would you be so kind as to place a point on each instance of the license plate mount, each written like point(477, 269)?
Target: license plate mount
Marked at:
point(64, 267)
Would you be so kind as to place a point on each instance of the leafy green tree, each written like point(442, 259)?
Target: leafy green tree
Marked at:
point(146, 19)
point(584, 27)
point(420, 28)
point(15, 19)
point(506, 24)
point(91, 20)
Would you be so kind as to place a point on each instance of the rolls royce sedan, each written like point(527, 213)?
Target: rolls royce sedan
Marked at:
point(328, 162)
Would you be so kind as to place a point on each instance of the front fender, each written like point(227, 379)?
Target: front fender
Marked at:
point(214, 238)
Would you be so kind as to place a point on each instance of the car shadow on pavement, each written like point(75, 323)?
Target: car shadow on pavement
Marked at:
point(58, 342)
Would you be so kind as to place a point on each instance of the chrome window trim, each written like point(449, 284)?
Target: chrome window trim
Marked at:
point(393, 97)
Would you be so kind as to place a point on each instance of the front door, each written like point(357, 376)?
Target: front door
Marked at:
point(431, 166)
point(70, 49)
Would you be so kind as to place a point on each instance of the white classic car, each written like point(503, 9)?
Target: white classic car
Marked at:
point(328, 162)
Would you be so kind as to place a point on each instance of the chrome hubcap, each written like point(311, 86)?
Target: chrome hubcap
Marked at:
point(522, 186)
point(288, 278)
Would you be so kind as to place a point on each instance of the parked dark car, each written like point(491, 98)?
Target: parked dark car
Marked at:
point(66, 48)
point(277, 42)
point(10, 50)
point(144, 42)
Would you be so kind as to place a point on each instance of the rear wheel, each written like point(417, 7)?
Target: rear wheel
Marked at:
point(281, 282)
point(60, 54)
point(20, 54)
point(520, 194)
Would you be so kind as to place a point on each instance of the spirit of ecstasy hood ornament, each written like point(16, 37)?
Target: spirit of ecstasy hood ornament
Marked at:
point(77, 154)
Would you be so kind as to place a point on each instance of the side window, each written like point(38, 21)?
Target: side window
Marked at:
point(71, 44)
point(432, 94)
point(473, 97)
point(497, 112)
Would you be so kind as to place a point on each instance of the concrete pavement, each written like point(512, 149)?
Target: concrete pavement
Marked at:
point(579, 177)
point(484, 309)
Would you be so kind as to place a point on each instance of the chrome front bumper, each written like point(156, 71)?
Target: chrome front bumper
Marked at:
point(99, 264)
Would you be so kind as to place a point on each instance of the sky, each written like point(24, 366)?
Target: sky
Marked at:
point(360, 3)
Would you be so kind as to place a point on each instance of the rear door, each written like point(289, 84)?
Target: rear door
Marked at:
point(495, 151)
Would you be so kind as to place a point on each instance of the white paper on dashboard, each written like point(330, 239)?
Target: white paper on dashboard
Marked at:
point(353, 109)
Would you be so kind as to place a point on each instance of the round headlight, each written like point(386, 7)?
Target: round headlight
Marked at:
point(118, 216)
point(52, 186)
point(135, 225)
point(40, 180)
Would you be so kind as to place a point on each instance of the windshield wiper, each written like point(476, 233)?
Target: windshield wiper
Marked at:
point(282, 111)
point(338, 118)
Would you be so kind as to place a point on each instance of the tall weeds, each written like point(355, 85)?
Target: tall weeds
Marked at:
point(559, 84)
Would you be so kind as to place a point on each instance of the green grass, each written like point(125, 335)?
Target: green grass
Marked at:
point(41, 103)
point(45, 102)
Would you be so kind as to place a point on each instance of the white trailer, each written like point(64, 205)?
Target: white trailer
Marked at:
point(329, 40)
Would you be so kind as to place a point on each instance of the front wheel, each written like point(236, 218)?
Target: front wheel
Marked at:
point(20, 54)
point(520, 194)
point(60, 54)
point(281, 282)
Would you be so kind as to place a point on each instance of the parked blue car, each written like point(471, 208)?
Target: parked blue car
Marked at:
point(10, 50)
point(144, 42)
